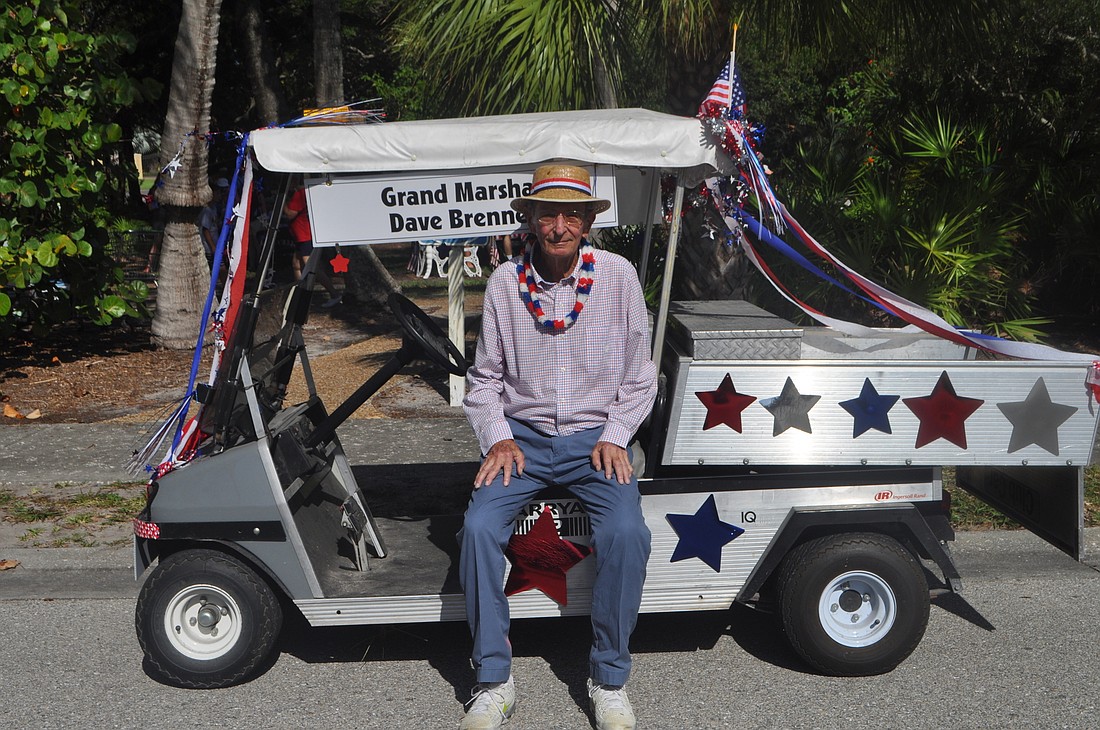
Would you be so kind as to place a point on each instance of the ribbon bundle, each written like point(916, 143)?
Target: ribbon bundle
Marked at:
point(724, 118)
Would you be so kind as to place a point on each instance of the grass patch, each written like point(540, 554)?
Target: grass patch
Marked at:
point(34, 509)
point(970, 513)
point(72, 514)
point(1092, 495)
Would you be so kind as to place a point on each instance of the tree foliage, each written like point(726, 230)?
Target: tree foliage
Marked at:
point(1015, 92)
point(511, 56)
point(55, 107)
point(1022, 73)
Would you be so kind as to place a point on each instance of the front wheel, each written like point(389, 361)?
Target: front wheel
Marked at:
point(205, 619)
point(853, 605)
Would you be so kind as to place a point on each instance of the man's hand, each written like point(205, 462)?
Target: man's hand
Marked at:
point(502, 455)
point(612, 459)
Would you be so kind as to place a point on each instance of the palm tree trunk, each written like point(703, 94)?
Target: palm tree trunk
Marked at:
point(328, 53)
point(604, 88)
point(184, 279)
point(183, 268)
point(260, 62)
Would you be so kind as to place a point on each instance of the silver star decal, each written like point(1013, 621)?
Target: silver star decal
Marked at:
point(1035, 420)
point(790, 409)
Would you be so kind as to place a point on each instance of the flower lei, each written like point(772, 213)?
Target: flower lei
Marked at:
point(527, 288)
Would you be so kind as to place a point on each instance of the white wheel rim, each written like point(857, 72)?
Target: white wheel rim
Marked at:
point(857, 609)
point(202, 622)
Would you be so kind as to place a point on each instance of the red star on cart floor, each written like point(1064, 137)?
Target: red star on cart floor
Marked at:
point(541, 558)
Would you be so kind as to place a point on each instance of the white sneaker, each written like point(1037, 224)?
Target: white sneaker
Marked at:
point(611, 707)
point(490, 706)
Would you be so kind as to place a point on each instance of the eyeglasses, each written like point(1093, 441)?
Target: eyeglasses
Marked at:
point(573, 217)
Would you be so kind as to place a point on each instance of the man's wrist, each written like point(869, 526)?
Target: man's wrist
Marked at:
point(614, 433)
point(494, 434)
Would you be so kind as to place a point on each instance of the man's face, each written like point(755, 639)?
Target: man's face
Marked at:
point(560, 228)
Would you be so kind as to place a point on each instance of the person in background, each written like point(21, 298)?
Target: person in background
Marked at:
point(501, 249)
point(297, 215)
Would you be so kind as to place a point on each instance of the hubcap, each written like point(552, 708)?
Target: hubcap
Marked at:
point(202, 622)
point(857, 609)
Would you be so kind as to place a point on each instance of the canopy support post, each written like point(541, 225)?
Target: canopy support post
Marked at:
point(647, 237)
point(456, 313)
point(666, 282)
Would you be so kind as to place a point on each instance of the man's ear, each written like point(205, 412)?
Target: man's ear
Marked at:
point(589, 219)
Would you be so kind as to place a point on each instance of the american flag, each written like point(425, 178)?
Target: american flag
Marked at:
point(729, 96)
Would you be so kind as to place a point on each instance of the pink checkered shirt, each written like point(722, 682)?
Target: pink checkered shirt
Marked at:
point(597, 373)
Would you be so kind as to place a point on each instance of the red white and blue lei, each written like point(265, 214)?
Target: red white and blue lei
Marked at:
point(528, 289)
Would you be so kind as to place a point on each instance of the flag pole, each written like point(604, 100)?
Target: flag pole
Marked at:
point(733, 67)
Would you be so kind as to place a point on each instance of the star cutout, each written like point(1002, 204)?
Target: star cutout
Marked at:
point(541, 558)
point(724, 405)
point(702, 535)
point(942, 414)
point(1035, 420)
point(870, 410)
point(339, 264)
point(790, 408)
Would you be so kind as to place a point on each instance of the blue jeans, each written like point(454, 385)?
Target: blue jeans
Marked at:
point(620, 541)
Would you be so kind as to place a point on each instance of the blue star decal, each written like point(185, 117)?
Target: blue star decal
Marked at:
point(702, 535)
point(870, 410)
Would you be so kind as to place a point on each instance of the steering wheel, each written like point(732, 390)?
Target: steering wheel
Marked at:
point(426, 336)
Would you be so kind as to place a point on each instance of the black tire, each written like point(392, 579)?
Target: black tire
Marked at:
point(205, 620)
point(853, 605)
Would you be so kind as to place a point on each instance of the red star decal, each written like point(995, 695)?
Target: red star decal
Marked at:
point(540, 559)
point(339, 264)
point(724, 405)
point(942, 414)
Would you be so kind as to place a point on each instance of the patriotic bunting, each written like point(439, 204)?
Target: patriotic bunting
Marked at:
point(725, 120)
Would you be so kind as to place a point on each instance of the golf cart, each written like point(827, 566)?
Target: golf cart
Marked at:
point(775, 469)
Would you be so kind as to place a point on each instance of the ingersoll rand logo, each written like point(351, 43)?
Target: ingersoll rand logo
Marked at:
point(888, 495)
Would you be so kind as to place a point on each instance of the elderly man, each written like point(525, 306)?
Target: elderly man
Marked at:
point(561, 381)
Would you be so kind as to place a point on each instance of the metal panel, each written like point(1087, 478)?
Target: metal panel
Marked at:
point(1049, 502)
point(825, 343)
point(685, 585)
point(732, 330)
point(243, 486)
point(1039, 435)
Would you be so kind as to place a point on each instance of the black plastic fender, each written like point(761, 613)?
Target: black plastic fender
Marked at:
point(902, 521)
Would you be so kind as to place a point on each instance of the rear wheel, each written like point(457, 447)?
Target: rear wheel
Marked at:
point(853, 605)
point(205, 619)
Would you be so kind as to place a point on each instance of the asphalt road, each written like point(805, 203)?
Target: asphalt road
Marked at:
point(1018, 649)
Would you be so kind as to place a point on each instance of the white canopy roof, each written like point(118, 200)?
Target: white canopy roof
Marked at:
point(623, 137)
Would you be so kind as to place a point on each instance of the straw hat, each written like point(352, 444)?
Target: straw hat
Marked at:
point(560, 182)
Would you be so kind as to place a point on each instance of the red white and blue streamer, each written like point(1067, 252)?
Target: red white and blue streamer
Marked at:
point(729, 129)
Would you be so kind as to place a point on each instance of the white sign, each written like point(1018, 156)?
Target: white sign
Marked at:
point(392, 208)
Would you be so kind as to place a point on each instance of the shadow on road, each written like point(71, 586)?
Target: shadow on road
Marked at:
point(956, 605)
